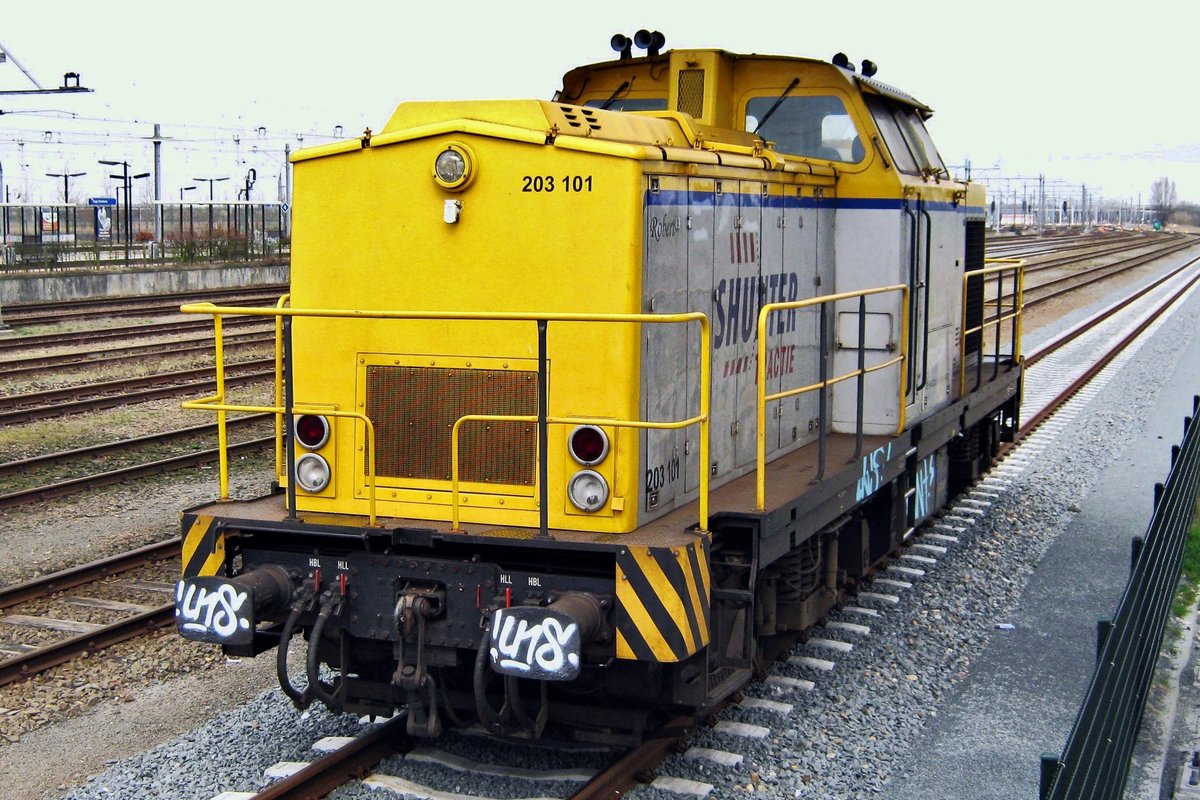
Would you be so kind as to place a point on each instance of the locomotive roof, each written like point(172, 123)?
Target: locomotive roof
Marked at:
point(580, 79)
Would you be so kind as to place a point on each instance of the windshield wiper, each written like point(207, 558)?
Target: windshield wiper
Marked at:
point(795, 82)
point(623, 87)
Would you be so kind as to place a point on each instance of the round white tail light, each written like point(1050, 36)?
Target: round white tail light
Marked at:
point(312, 472)
point(312, 430)
point(588, 445)
point(588, 490)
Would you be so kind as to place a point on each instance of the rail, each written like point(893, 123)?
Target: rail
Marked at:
point(285, 408)
point(1095, 761)
point(1015, 305)
point(823, 385)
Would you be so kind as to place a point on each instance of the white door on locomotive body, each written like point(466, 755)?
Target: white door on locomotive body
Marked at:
point(737, 271)
point(701, 218)
point(725, 336)
point(872, 243)
point(948, 254)
point(796, 331)
point(772, 272)
point(664, 380)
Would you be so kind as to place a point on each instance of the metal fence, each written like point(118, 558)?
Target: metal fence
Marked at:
point(1095, 762)
point(46, 236)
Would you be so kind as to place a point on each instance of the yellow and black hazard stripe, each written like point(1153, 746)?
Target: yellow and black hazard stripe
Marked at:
point(203, 546)
point(662, 601)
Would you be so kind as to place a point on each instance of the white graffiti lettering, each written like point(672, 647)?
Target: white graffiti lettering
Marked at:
point(211, 612)
point(521, 646)
point(872, 472)
point(926, 486)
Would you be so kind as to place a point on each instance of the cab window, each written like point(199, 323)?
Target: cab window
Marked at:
point(906, 137)
point(815, 126)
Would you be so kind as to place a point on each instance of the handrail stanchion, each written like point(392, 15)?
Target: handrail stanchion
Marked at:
point(222, 432)
point(543, 438)
point(289, 422)
point(705, 416)
point(821, 396)
point(862, 376)
point(279, 387)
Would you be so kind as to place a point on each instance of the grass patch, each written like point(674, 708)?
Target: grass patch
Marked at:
point(1185, 598)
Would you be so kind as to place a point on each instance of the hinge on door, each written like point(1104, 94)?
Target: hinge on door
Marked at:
point(689, 222)
point(733, 428)
point(687, 447)
point(782, 221)
point(737, 223)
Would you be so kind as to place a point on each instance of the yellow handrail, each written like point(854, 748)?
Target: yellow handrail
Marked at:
point(217, 402)
point(279, 456)
point(214, 403)
point(764, 398)
point(1017, 266)
point(615, 423)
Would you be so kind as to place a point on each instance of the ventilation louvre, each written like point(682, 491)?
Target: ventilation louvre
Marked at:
point(691, 92)
point(415, 408)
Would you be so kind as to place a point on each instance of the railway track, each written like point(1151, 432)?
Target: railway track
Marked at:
point(10, 344)
point(1028, 247)
point(129, 354)
point(57, 640)
point(51, 403)
point(112, 451)
point(1050, 289)
point(18, 315)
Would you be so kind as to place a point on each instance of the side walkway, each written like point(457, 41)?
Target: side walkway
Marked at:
point(1024, 690)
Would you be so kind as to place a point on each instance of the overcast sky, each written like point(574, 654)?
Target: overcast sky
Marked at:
point(1074, 91)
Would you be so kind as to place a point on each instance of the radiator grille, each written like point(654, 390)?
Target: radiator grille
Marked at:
point(691, 92)
point(414, 410)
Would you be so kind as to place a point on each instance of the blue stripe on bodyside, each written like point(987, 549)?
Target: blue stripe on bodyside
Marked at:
point(707, 198)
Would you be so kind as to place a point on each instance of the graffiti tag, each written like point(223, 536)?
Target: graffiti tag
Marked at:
point(871, 479)
point(211, 612)
point(923, 500)
point(535, 643)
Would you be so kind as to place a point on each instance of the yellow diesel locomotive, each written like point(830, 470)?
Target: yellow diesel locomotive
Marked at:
point(583, 403)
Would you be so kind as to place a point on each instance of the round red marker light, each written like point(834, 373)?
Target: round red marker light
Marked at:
point(588, 445)
point(312, 430)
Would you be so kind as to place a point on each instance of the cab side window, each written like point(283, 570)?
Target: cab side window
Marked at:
point(906, 137)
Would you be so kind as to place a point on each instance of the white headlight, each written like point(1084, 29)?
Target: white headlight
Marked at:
point(312, 472)
point(450, 166)
point(454, 167)
point(588, 490)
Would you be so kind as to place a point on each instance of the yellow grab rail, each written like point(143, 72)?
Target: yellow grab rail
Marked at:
point(1017, 267)
point(764, 398)
point(614, 423)
point(217, 402)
